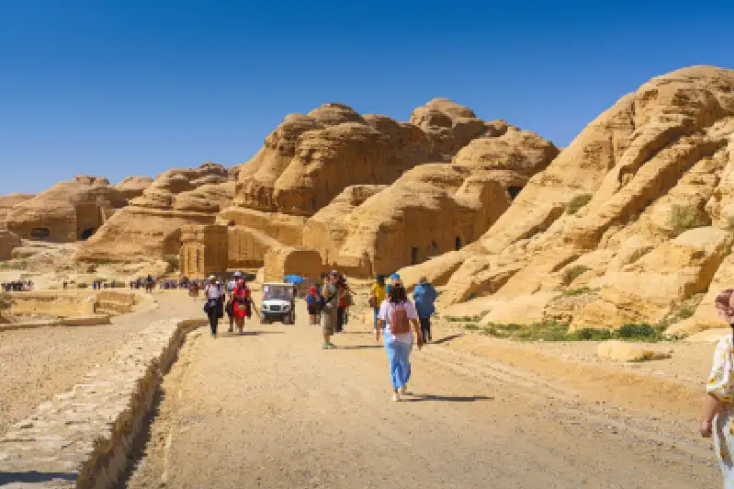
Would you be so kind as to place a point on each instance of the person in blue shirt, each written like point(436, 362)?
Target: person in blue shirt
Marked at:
point(425, 296)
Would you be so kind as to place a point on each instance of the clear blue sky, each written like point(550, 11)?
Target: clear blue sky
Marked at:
point(126, 87)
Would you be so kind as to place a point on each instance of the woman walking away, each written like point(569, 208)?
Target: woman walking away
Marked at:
point(424, 296)
point(329, 306)
point(342, 309)
point(400, 318)
point(312, 304)
point(241, 304)
point(718, 403)
point(377, 295)
point(214, 302)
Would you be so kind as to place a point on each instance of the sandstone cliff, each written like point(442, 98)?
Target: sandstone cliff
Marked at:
point(8, 242)
point(150, 226)
point(432, 208)
point(67, 212)
point(636, 214)
point(9, 201)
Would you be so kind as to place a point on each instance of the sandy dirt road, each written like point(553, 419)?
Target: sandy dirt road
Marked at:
point(271, 409)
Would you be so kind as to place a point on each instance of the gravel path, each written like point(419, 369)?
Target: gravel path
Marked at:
point(38, 363)
point(271, 409)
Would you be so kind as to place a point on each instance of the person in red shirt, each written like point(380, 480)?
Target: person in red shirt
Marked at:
point(241, 304)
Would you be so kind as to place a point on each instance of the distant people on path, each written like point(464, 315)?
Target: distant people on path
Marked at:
point(425, 296)
point(312, 304)
point(377, 296)
point(241, 304)
point(214, 303)
point(719, 402)
point(400, 319)
point(149, 284)
point(345, 298)
point(18, 286)
point(329, 309)
point(194, 290)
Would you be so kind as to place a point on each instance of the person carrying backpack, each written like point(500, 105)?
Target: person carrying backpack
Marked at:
point(425, 296)
point(400, 319)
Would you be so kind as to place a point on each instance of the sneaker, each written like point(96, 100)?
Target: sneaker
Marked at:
point(396, 397)
point(404, 390)
point(331, 346)
point(325, 346)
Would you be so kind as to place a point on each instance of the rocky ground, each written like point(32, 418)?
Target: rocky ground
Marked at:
point(40, 362)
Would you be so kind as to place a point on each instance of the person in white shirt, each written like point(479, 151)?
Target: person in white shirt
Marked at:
point(399, 316)
point(214, 303)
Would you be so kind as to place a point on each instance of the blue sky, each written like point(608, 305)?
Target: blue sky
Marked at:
point(129, 87)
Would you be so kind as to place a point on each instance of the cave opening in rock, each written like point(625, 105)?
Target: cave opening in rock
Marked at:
point(87, 233)
point(514, 192)
point(458, 243)
point(414, 256)
point(40, 233)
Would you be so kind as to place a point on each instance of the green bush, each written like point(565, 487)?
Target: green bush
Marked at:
point(471, 327)
point(82, 285)
point(682, 218)
point(173, 261)
point(577, 202)
point(579, 291)
point(591, 334)
point(571, 273)
point(638, 331)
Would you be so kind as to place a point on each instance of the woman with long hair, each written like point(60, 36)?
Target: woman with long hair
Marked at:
point(718, 419)
point(399, 317)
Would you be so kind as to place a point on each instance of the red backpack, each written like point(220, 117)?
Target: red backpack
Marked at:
point(399, 322)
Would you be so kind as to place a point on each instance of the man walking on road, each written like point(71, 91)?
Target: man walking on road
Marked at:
point(329, 310)
point(425, 296)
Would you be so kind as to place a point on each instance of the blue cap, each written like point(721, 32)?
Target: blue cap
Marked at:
point(394, 276)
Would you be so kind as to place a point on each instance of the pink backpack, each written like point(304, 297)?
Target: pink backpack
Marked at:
point(399, 322)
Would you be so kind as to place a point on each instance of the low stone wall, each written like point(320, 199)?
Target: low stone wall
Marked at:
point(57, 303)
point(83, 438)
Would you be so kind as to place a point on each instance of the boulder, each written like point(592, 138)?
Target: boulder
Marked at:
point(618, 351)
point(132, 187)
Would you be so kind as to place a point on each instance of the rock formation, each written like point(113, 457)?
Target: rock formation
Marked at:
point(637, 212)
point(8, 242)
point(306, 164)
point(150, 226)
point(432, 208)
point(9, 201)
point(67, 212)
point(132, 187)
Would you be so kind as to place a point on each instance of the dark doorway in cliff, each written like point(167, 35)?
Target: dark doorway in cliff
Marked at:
point(458, 243)
point(414, 256)
point(40, 233)
point(87, 233)
point(514, 192)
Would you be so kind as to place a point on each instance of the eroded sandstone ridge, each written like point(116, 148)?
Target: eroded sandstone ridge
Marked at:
point(633, 221)
point(150, 226)
point(67, 212)
point(353, 186)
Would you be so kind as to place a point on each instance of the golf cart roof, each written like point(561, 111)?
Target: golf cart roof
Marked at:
point(278, 284)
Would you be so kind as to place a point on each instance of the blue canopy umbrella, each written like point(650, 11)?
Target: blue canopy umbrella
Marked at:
point(294, 279)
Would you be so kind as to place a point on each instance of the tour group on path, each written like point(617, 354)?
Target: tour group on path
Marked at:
point(268, 409)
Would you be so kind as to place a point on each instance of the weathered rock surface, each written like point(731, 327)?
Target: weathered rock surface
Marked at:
point(619, 351)
point(150, 227)
point(132, 187)
point(68, 211)
point(9, 201)
point(639, 206)
point(430, 209)
point(8, 242)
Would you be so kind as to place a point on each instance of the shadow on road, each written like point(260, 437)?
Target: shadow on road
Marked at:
point(227, 334)
point(34, 477)
point(446, 339)
point(358, 347)
point(430, 397)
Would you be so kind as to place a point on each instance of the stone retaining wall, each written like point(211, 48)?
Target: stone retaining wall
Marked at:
point(57, 303)
point(83, 438)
